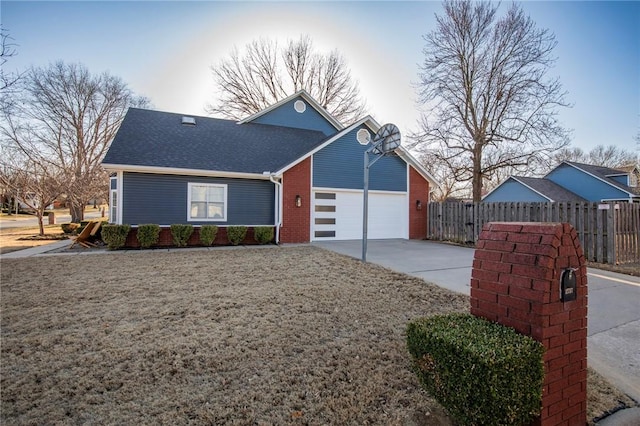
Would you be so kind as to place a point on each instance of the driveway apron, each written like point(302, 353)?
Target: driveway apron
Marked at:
point(614, 299)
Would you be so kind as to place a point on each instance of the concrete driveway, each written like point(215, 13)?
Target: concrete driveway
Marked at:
point(447, 265)
point(614, 299)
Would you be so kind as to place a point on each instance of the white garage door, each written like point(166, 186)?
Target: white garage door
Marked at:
point(337, 215)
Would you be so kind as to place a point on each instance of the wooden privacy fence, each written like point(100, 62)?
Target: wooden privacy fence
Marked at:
point(609, 232)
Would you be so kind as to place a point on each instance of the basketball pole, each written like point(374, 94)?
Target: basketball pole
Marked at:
point(365, 201)
point(386, 139)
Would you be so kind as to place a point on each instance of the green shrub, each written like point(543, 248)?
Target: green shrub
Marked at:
point(263, 234)
point(181, 234)
point(236, 234)
point(208, 234)
point(69, 228)
point(115, 235)
point(483, 373)
point(148, 234)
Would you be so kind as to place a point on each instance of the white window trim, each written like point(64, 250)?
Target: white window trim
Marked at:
point(199, 219)
point(116, 219)
point(113, 215)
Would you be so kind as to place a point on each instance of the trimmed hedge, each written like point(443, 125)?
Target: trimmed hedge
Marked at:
point(483, 373)
point(148, 235)
point(236, 234)
point(181, 234)
point(115, 236)
point(263, 234)
point(208, 234)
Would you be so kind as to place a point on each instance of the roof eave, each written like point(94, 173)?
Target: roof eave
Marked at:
point(411, 160)
point(187, 172)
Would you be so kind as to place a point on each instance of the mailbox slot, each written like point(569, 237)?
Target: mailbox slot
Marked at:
point(568, 285)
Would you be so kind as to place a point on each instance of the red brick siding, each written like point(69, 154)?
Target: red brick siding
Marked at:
point(296, 220)
point(515, 281)
point(418, 190)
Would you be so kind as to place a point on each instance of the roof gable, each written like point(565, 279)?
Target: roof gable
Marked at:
point(601, 173)
point(548, 189)
point(511, 190)
point(374, 126)
point(157, 139)
point(293, 111)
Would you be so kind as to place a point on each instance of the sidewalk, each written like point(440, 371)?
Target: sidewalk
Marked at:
point(61, 248)
point(38, 250)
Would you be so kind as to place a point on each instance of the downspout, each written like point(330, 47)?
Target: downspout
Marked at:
point(277, 206)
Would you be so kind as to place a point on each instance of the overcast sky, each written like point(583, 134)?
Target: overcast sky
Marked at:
point(163, 50)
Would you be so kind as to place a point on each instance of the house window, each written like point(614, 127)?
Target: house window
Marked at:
point(113, 211)
point(207, 202)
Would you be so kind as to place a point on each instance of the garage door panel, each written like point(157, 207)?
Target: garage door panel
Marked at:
point(388, 215)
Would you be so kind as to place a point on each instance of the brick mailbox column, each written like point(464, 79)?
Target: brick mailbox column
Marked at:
point(516, 281)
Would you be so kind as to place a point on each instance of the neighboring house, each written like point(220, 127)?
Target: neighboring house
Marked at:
point(291, 166)
point(571, 181)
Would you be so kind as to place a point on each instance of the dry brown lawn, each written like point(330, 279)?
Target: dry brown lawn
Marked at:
point(293, 335)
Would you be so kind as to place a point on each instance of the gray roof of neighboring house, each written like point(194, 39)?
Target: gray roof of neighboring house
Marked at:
point(159, 139)
point(603, 173)
point(549, 189)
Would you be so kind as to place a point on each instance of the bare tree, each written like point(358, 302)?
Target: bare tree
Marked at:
point(611, 156)
point(484, 82)
point(7, 50)
point(8, 80)
point(264, 73)
point(65, 117)
point(31, 182)
point(448, 175)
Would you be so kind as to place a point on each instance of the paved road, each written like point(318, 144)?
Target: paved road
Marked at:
point(614, 299)
point(22, 222)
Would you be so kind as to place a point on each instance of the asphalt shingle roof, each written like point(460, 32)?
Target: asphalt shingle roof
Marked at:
point(549, 189)
point(159, 139)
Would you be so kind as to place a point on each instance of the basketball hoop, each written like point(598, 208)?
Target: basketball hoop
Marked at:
point(386, 139)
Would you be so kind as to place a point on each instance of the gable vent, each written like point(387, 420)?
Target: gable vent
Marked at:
point(363, 136)
point(299, 106)
point(191, 121)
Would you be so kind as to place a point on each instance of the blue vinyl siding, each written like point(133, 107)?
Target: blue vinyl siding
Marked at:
point(585, 185)
point(162, 199)
point(341, 165)
point(286, 115)
point(512, 191)
point(624, 179)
